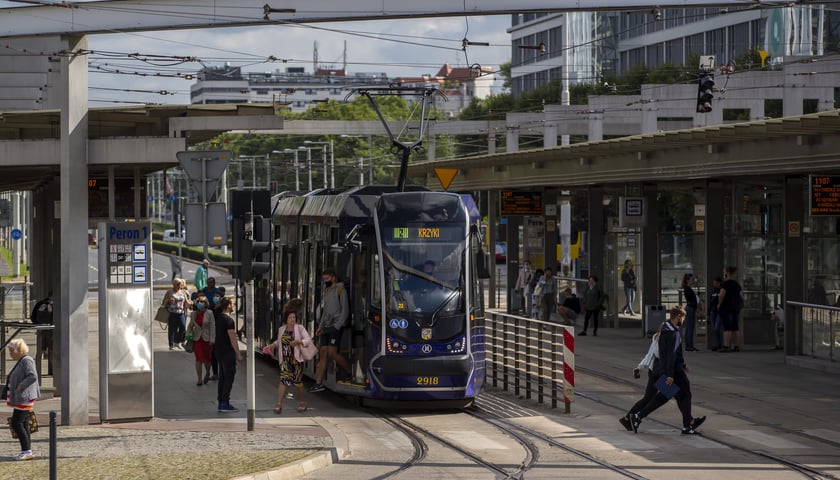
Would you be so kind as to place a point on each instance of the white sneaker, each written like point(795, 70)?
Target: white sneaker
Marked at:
point(25, 455)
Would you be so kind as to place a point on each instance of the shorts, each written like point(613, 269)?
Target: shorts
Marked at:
point(330, 338)
point(729, 320)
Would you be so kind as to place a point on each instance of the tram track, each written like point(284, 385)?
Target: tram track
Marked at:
point(416, 434)
point(804, 470)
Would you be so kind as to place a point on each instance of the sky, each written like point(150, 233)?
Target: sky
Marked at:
point(395, 47)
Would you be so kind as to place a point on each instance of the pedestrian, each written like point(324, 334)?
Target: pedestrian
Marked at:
point(569, 307)
point(593, 301)
point(176, 302)
point(628, 277)
point(779, 321)
point(714, 319)
point(42, 314)
point(549, 298)
point(22, 383)
point(335, 310)
point(291, 337)
point(522, 281)
point(729, 307)
point(227, 353)
point(648, 362)
point(202, 326)
point(175, 264)
point(690, 311)
point(531, 294)
point(671, 365)
point(200, 279)
point(211, 292)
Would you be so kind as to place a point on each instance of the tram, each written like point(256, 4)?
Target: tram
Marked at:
point(410, 262)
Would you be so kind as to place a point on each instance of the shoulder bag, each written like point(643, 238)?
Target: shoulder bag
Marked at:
point(309, 351)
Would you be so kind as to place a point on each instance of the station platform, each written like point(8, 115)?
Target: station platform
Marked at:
point(188, 438)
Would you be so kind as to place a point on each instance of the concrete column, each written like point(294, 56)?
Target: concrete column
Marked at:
point(550, 214)
point(72, 318)
point(649, 119)
point(795, 267)
point(651, 288)
point(112, 207)
point(596, 127)
point(550, 136)
point(512, 140)
point(513, 265)
point(715, 239)
point(138, 198)
point(491, 144)
point(595, 250)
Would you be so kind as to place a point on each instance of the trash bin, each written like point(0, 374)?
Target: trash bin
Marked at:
point(654, 316)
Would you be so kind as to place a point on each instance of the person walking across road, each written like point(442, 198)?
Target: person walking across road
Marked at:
point(690, 311)
point(593, 299)
point(227, 353)
point(671, 364)
point(175, 265)
point(22, 383)
point(628, 277)
point(203, 328)
point(291, 337)
point(335, 310)
point(648, 362)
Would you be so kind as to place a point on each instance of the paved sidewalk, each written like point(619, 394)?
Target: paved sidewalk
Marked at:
point(187, 438)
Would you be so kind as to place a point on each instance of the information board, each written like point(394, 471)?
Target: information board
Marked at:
point(129, 255)
point(521, 203)
point(825, 195)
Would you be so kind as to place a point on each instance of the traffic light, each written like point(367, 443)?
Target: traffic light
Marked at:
point(255, 255)
point(705, 87)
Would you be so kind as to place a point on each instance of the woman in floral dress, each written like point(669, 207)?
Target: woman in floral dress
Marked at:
point(290, 338)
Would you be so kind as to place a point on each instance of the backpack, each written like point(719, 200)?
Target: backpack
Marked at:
point(42, 312)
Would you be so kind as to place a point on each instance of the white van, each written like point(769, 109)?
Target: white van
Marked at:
point(172, 236)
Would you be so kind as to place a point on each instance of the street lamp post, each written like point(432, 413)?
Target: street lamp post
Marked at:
point(370, 159)
point(308, 164)
point(254, 168)
point(297, 167)
point(332, 160)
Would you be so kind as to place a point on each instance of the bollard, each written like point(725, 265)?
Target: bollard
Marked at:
point(53, 434)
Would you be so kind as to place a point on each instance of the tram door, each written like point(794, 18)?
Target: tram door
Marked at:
point(622, 244)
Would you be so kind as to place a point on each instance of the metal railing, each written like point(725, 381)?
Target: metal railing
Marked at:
point(820, 328)
point(14, 300)
point(530, 356)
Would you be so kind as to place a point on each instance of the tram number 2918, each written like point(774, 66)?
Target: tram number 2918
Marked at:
point(427, 380)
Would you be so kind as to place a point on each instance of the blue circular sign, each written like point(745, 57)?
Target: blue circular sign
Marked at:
point(394, 323)
point(16, 234)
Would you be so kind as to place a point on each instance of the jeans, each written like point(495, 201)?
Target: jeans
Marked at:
point(20, 424)
point(227, 372)
point(630, 294)
point(177, 328)
point(690, 322)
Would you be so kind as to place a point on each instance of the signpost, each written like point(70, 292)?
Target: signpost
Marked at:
point(205, 220)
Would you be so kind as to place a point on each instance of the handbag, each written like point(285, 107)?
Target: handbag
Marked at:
point(189, 346)
point(309, 351)
point(162, 316)
point(33, 424)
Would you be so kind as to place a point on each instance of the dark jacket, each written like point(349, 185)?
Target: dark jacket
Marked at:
point(670, 351)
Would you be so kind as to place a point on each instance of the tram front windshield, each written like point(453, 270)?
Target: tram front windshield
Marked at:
point(424, 271)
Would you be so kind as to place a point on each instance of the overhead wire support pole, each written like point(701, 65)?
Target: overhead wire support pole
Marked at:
point(404, 147)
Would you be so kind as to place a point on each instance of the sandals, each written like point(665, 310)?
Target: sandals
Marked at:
point(302, 407)
point(278, 409)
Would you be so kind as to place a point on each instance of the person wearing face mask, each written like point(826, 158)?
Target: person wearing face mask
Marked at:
point(335, 310)
point(203, 328)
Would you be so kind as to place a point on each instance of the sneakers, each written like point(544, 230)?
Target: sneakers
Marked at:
point(625, 421)
point(227, 408)
point(25, 455)
point(635, 421)
point(316, 388)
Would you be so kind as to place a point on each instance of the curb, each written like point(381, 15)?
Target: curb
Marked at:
point(314, 462)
